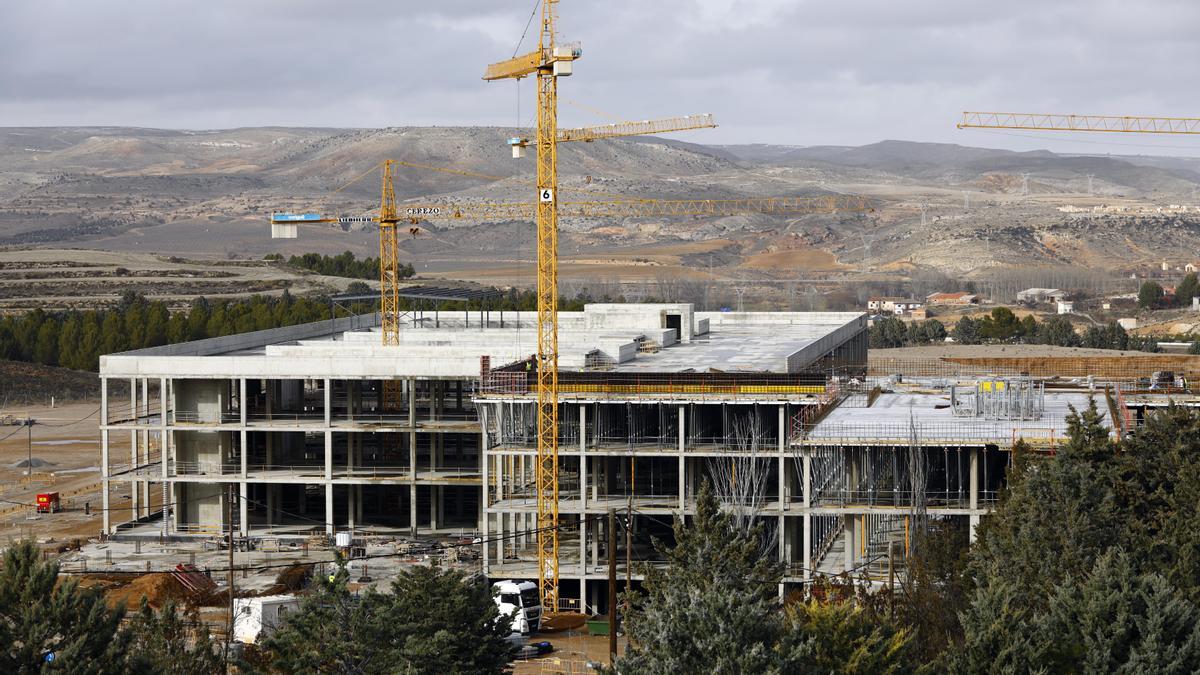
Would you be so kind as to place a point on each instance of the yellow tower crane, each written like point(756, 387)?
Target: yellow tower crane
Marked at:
point(1103, 123)
point(414, 214)
point(283, 226)
point(1121, 124)
point(547, 63)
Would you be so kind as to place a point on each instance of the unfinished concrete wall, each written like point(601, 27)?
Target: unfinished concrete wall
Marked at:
point(202, 452)
point(200, 401)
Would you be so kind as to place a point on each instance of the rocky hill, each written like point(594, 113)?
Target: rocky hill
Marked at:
point(198, 192)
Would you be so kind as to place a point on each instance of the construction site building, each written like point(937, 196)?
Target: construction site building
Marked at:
point(777, 411)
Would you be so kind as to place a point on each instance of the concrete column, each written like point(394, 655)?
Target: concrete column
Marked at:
point(271, 487)
point(328, 402)
point(848, 525)
point(351, 511)
point(806, 486)
point(974, 492)
point(174, 492)
point(974, 479)
point(782, 442)
point(329, 508)
point(520, 527)
point(583, 468)
point(484, 513)
point(243, 509)
point(135, 487)
point(146, 445)
point(852, 475)
point(164, 451)
point(328, 455)
point(782, 537)
point(681, 447)
point(595, 528)
point(104, 448)
point(412, 455)
point(582, 553)
point(244, 436)
point(499, 535)
point(412, 508)
point(486, 468)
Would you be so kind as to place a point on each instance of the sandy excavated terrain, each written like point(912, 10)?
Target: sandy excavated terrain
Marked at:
point(66, 454)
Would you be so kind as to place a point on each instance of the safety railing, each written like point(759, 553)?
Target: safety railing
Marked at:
point(285, 416)
point(195, 417)
point(900, 499)
point(923, 434)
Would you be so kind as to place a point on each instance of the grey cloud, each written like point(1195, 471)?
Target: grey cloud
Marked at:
point(782, 71)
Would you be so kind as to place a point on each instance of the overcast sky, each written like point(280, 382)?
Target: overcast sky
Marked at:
point(794, 72)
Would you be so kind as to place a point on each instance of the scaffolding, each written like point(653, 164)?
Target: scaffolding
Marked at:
point(1008, 399)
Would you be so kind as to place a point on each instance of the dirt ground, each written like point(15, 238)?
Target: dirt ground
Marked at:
point(65, 446)
point(572, 652)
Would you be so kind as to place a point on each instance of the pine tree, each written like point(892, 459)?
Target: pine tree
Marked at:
point(996, 635)
point(39, 617)
point(1150, 295)
point(433, 621)
point(443, 623)
point(45, 350)
point(166, 642)
point(843, 637)
point(331, 632)
point(112, 334)
point(712, 608)
point(966, 331)
point(88, 356)
point(68, 341)
point(1186, 290)
point(1065, 510)
point(158, 320)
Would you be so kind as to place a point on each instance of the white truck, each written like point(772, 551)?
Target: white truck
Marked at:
point(520, 601)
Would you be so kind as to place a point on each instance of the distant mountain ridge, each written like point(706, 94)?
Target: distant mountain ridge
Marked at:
point(178, 190)
point(929, 160)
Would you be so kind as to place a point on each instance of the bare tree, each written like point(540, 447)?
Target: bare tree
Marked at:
point(740, 482)
point(917, 482)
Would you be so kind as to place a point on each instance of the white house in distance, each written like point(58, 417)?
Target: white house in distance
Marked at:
point(1033, 296)
point(1066, 306)
point(899, 306)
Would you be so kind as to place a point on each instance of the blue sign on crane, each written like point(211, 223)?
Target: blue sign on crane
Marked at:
point(294, 217)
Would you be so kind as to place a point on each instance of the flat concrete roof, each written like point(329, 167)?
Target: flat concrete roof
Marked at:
point(895, 417)
point(625, 338)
